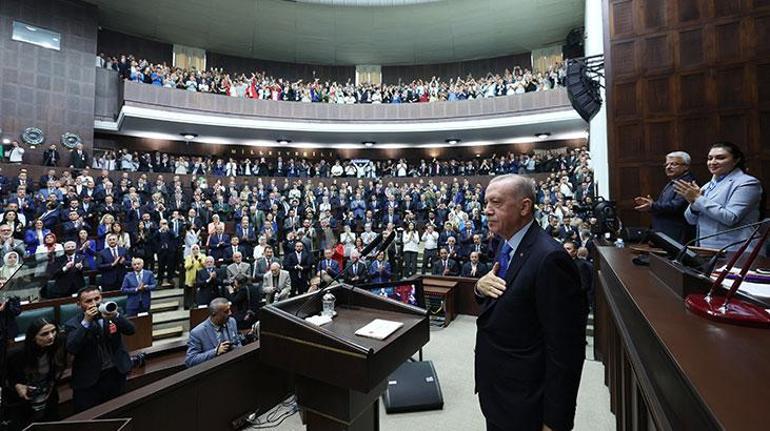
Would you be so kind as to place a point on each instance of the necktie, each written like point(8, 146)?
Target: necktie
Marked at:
point(114, 253)
point(504, 259)
point(355, 268)
point(138, 277)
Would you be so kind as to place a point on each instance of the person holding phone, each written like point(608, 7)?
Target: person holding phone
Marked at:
point(34, 370)
point(214, 336)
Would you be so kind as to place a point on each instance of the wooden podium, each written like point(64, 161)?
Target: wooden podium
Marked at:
point(339, 376)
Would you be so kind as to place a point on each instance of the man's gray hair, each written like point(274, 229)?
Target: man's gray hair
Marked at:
point(680, 155)
point(215, 304)
point(523, 187)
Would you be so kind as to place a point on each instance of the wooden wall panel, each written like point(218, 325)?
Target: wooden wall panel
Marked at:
point(682, 74)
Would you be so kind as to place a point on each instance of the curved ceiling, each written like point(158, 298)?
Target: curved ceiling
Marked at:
point(305, 31)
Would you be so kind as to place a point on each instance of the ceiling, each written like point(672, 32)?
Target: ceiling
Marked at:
point(307, 31)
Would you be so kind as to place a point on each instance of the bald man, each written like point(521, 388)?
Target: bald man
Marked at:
point(530, 339)
point(276, 284)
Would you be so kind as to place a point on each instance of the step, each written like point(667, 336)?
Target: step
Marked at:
point(171, 316)
point(167, 293)
point(174, 331)
point(161, 306)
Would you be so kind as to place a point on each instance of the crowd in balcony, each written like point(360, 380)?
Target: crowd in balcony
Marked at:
point(259, 85)
point(299, 167)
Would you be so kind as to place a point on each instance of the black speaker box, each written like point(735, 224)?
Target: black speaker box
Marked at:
point(413, 387)
point(583, 92)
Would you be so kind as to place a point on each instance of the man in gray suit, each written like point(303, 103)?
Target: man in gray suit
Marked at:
point(276, 284)
point(214, 336)
point(262, 265)
point(239, 268)
point(9, 243)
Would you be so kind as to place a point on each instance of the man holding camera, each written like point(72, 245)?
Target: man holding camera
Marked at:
point(214, 336)
point(95, 339)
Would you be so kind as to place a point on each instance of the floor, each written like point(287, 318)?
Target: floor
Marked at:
point(451, 350)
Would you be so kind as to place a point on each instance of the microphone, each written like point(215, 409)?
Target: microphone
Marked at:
point(372, 245)
point(387, 242)
point(708, 268)
point(683, 250)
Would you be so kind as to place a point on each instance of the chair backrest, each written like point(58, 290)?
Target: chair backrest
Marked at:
point(26, 318)
point(68, 311)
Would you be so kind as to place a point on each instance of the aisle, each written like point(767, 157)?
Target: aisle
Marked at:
point(451, 351)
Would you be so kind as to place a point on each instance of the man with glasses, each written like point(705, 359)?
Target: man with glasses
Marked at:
point(668, 210)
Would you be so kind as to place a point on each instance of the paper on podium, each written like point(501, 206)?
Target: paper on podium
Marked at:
point(379, 329)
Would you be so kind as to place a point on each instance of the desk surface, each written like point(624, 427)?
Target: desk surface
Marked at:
point(728, 367)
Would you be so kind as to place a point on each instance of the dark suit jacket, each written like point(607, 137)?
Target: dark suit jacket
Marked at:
point(78, 161)
point(668, 213)
point(112, 275)
point(66, 282)
point(362, 273)
point(481, 269)
point(290, 261)
point(83, 344)
point(208, 290)
point(438, 267)
point(530, 342)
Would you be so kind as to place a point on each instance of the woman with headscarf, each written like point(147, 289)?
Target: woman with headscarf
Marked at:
point(192, 263)
point(11, 264)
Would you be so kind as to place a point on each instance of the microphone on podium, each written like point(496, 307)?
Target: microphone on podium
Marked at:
point(683, 252)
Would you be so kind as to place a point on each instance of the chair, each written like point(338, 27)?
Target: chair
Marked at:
point(68, 311)
point(26, 318)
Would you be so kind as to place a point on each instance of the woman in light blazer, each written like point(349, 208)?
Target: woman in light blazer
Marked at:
point(729, 200)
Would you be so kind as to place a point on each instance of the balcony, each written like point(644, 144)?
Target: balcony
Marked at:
point(154, 112)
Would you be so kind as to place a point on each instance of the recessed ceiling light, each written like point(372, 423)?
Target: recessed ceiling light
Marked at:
point(542, 135)
point(452, 141)
point(368, 143)
point(283, 141)
point(189, 136)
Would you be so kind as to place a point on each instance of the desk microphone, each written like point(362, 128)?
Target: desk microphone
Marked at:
point(683, 250)
point(708, 268)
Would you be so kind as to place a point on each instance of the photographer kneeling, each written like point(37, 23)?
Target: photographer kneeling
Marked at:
point(95, 338)
point(214, 336)
point(34, 370)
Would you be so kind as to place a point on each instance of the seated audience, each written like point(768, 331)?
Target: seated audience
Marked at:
point(214, 336)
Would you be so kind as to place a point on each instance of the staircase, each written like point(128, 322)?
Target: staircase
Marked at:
point(169, 318)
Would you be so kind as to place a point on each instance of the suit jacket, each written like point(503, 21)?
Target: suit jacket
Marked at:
point(276, 292)
point(217, 245)
point(112, 275)
point(290, 261)
point(262, 266)
point(84, 343)
point(236, 269)
point(204, 339)
point(530, 342)
point(227, 253)
point(67, 281)
point(78, 161)
point(481, 269)
point(668, 212)
point(732, 203)
point(136, 298)
point(452, 266)
point(331, 267)
point(360, 271)
point(208, 290)
point(377, 276)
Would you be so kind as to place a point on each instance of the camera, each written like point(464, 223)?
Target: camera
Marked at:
point(108, 307)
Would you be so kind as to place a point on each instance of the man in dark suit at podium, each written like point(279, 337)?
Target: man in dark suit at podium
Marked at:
point(530, 339)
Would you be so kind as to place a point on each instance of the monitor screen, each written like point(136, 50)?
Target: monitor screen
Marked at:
point(406, 292)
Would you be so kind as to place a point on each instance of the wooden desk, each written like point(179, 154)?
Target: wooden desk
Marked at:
point(669, 369)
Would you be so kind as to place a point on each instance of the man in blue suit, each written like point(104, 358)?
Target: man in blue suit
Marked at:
point(530, 339)
point(101, 361)
point(214, 336)
point(379, 270)
point(112, 264)
point(328, 268)
point(137, 286)
point(668, 210)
